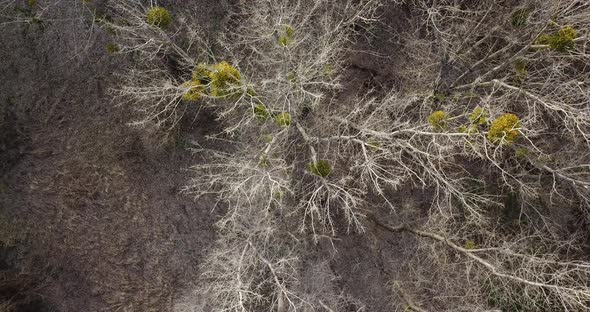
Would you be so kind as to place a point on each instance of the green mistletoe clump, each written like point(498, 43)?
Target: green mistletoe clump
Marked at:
point(283, 119)
point(438, 120)
point(320, 168)
point(159, 17)
point(563, 40)
point(504, 130)
point(217, 80)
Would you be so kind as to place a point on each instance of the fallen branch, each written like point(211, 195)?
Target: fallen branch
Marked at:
point(577, 295)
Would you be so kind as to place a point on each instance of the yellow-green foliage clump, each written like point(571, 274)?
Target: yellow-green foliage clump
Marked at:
point(504, 130)
point(292, 77)
point(32, 4)
point(158, 17)
point(251, 92)
point(202, 73)
point(373, 144)
point(471, 129)
point(470, 245)
point(522, 153)
point(194, 90)
point(267, 139)
point(217, 80)
point(520, 17)
point(112, 48)
point(223, 77)
point(478, 116)
point(264, 162)
point(328, 70)
point(438, 120)
point(320, 168)
point(286, 36)
point(261, 112)
point(563, 40)
point(283, 119)
point(520, 66)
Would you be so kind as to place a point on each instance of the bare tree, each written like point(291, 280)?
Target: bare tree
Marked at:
point(489, 90)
